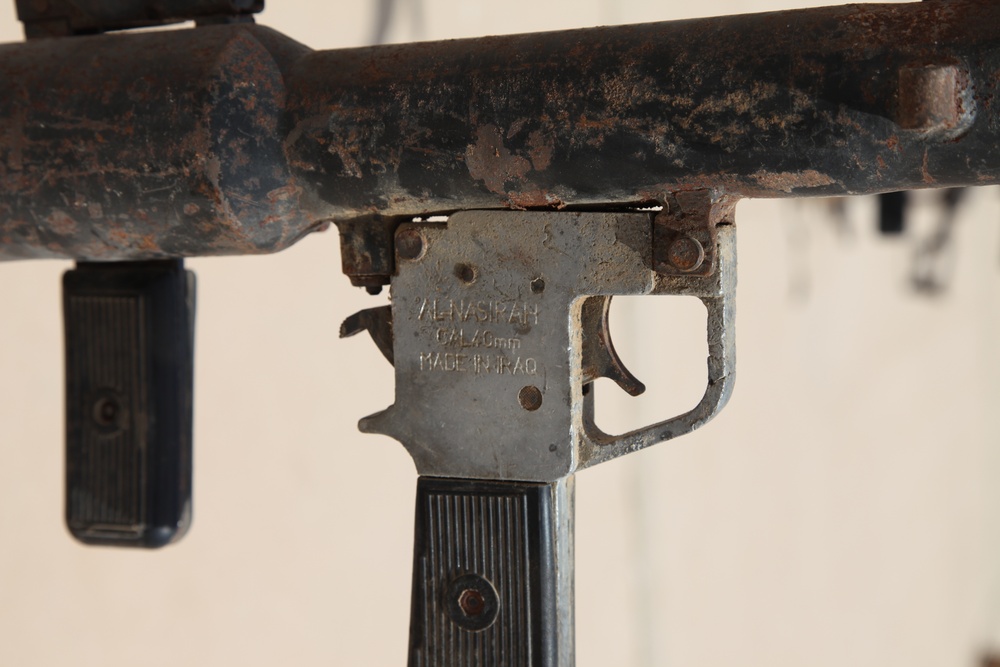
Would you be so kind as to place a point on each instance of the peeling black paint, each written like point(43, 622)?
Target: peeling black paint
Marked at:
point(235, 139)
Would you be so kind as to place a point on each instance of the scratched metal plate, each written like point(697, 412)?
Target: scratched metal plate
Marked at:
point(486, 323)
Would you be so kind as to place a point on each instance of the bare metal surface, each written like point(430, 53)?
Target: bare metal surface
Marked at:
point(235, 139)
point(718, 293)
point(564, 506)
point(496, 356)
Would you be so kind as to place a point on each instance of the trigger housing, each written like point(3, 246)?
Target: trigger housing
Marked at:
point(499, 320)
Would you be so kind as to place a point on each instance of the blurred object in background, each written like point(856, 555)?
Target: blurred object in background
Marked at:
point(892, 213)
point(386, 13)
point(801, 219)
point(990, 660)
point(934, 256)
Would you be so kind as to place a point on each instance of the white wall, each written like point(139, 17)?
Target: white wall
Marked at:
point(843, 510)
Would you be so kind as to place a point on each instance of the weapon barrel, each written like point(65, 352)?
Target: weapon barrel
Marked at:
point(147, 145)
point(839, 100)
point(250, 142)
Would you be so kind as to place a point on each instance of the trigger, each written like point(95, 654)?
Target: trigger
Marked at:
point(599, 356)
point(377, 322)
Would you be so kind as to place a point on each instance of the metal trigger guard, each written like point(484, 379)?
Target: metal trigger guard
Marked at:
point(718, 293)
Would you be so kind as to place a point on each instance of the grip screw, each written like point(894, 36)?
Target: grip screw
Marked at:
point(471, 602)
point(106, 411)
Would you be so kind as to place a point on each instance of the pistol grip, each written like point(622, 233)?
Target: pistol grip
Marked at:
point(129, 350)
point(492, 574)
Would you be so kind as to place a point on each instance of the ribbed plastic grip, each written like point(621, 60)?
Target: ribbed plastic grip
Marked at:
point(487, 585)
point(128, 402)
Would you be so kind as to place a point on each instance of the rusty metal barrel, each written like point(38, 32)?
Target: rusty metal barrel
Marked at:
point(235, 139)
point(162, 144)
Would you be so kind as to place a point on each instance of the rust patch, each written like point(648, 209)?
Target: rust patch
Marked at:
point(788, 104)
point(540, 149)
point(534, 199)
point(786, 181)
point(351, 166)
point(283, 193)
point(61, 223)
point(925, 169)
point(148, 244)
point(490, 161)
point(934, 98)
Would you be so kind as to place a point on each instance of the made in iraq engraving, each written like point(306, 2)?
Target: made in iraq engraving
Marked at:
point(474, 349)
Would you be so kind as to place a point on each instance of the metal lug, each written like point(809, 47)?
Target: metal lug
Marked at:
point(684, 236)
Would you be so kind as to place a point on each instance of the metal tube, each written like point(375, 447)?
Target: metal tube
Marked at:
point(234, 139)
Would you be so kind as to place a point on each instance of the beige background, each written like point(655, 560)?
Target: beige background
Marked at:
point(843, 510)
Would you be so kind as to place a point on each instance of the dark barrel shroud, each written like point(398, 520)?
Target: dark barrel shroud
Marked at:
point(235, 139)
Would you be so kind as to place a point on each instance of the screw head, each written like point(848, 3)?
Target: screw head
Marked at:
point(106, 411)
point(686, 254)
point(471, 602)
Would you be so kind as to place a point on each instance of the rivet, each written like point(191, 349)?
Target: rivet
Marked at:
point(410, 244)
point(686, 254)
